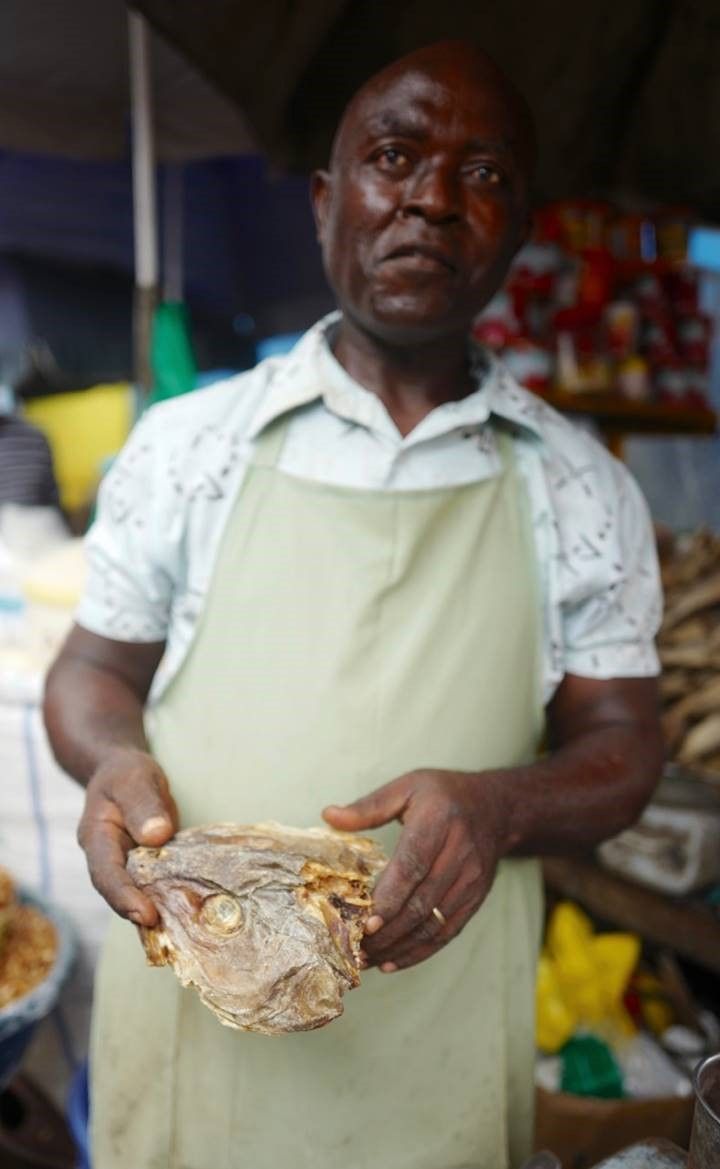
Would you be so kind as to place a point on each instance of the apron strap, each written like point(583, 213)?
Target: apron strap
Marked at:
point(270, 442)
point(507, 448)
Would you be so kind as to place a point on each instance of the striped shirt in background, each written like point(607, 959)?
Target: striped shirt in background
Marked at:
point(26, 466)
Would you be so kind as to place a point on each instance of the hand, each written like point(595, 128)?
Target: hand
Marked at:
point(128, 802)
point(454, 834)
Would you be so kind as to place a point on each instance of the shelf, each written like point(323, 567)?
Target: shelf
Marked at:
point(618, 417)
point(687, 927)
point(613, 413)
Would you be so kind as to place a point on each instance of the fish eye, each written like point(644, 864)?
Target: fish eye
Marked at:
point(221, 914)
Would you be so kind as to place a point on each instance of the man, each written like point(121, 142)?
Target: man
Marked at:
point(367, 577)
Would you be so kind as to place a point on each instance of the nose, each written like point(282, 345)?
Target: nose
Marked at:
point(433, 194)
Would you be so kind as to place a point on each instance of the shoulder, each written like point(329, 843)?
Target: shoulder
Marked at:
point(575, 464)
point(596, 520)
point(211, 426)
point(231, 403)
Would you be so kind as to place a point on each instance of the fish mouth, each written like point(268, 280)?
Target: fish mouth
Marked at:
point(422, 255)
point(273, 1010)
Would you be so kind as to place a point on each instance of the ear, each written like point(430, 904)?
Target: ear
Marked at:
point(320, 193)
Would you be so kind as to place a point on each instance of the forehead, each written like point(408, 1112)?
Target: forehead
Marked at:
point(418, 104)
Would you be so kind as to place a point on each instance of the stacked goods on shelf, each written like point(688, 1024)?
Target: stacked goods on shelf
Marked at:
point(689, 646)
point(602, 301)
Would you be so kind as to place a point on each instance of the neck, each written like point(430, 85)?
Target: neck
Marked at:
point(410, 380)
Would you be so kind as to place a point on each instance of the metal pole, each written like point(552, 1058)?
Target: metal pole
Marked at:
point(144, 197)
point(173, 232)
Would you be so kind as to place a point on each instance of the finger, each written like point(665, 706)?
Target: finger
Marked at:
point(147, 808)
point(470, 888)
point(464, 899)
point(427, 933)
point(418, 909)
point(106, 847)
point(422, 950)
point(371, 811)
point(421, 841)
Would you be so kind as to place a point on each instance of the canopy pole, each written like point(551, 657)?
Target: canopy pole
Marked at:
point(144, 198)
point(173, 233)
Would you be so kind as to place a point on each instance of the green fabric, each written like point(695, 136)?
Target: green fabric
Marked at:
point(171, 355)
point(348, 636)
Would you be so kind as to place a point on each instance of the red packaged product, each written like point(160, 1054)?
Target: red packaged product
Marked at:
point(693, 334)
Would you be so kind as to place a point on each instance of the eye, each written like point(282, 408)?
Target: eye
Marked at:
point(221, 914)
point(486, 174)
point(391, 158)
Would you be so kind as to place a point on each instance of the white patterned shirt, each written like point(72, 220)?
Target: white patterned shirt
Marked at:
point(163, 506)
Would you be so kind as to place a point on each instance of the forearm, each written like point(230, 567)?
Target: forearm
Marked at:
point(584, 792)
point(90, 712)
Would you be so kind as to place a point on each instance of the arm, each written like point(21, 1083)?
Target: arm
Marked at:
point(606, 756)
point(93, 707)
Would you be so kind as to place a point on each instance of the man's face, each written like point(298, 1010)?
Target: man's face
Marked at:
point(425, 205)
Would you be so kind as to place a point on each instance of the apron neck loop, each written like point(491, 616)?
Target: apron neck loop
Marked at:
point(270, 442)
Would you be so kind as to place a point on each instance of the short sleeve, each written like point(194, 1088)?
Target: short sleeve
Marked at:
point(129, 587)
point(610, 624)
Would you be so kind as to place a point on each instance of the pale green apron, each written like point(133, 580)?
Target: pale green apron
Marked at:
point(348, 637)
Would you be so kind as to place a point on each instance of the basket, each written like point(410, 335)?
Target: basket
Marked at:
point(19, 1018)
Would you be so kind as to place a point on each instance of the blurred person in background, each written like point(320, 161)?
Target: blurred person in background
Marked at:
point(26, 465)
point(31, 519)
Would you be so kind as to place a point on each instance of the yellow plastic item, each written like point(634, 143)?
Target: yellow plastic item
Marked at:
point(555, 1021)
point(582, 978)
point(84, 430)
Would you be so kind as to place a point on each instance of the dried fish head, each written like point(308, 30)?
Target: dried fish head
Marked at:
point(264, 922)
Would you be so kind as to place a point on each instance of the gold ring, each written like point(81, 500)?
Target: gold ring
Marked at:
point(438, 913)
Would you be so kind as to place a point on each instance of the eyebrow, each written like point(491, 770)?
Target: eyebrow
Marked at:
point(403, 126)
point(392, 123)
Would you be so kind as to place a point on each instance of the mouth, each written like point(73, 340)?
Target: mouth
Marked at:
point(422, 256)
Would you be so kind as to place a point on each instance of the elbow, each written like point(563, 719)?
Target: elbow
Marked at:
point(55, 686)
point(644, 775)
point(48, 706)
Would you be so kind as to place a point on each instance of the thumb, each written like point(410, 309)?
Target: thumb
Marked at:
point(379, 807)
point(144, 800)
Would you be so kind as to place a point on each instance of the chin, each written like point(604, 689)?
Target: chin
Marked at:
point(416, 315)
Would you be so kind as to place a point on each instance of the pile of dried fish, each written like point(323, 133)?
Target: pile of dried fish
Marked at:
point(689, 645)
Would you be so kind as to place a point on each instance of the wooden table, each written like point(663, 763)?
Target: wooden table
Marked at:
point(688, 928)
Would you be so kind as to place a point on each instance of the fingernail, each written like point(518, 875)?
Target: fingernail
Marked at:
point(388, 967)
point(373, 924)
point(154, 824)
point(135, 917)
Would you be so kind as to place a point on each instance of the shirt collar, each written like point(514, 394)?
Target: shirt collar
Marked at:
point(311, 372)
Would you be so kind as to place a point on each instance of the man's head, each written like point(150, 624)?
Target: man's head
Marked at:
point(426, 198)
